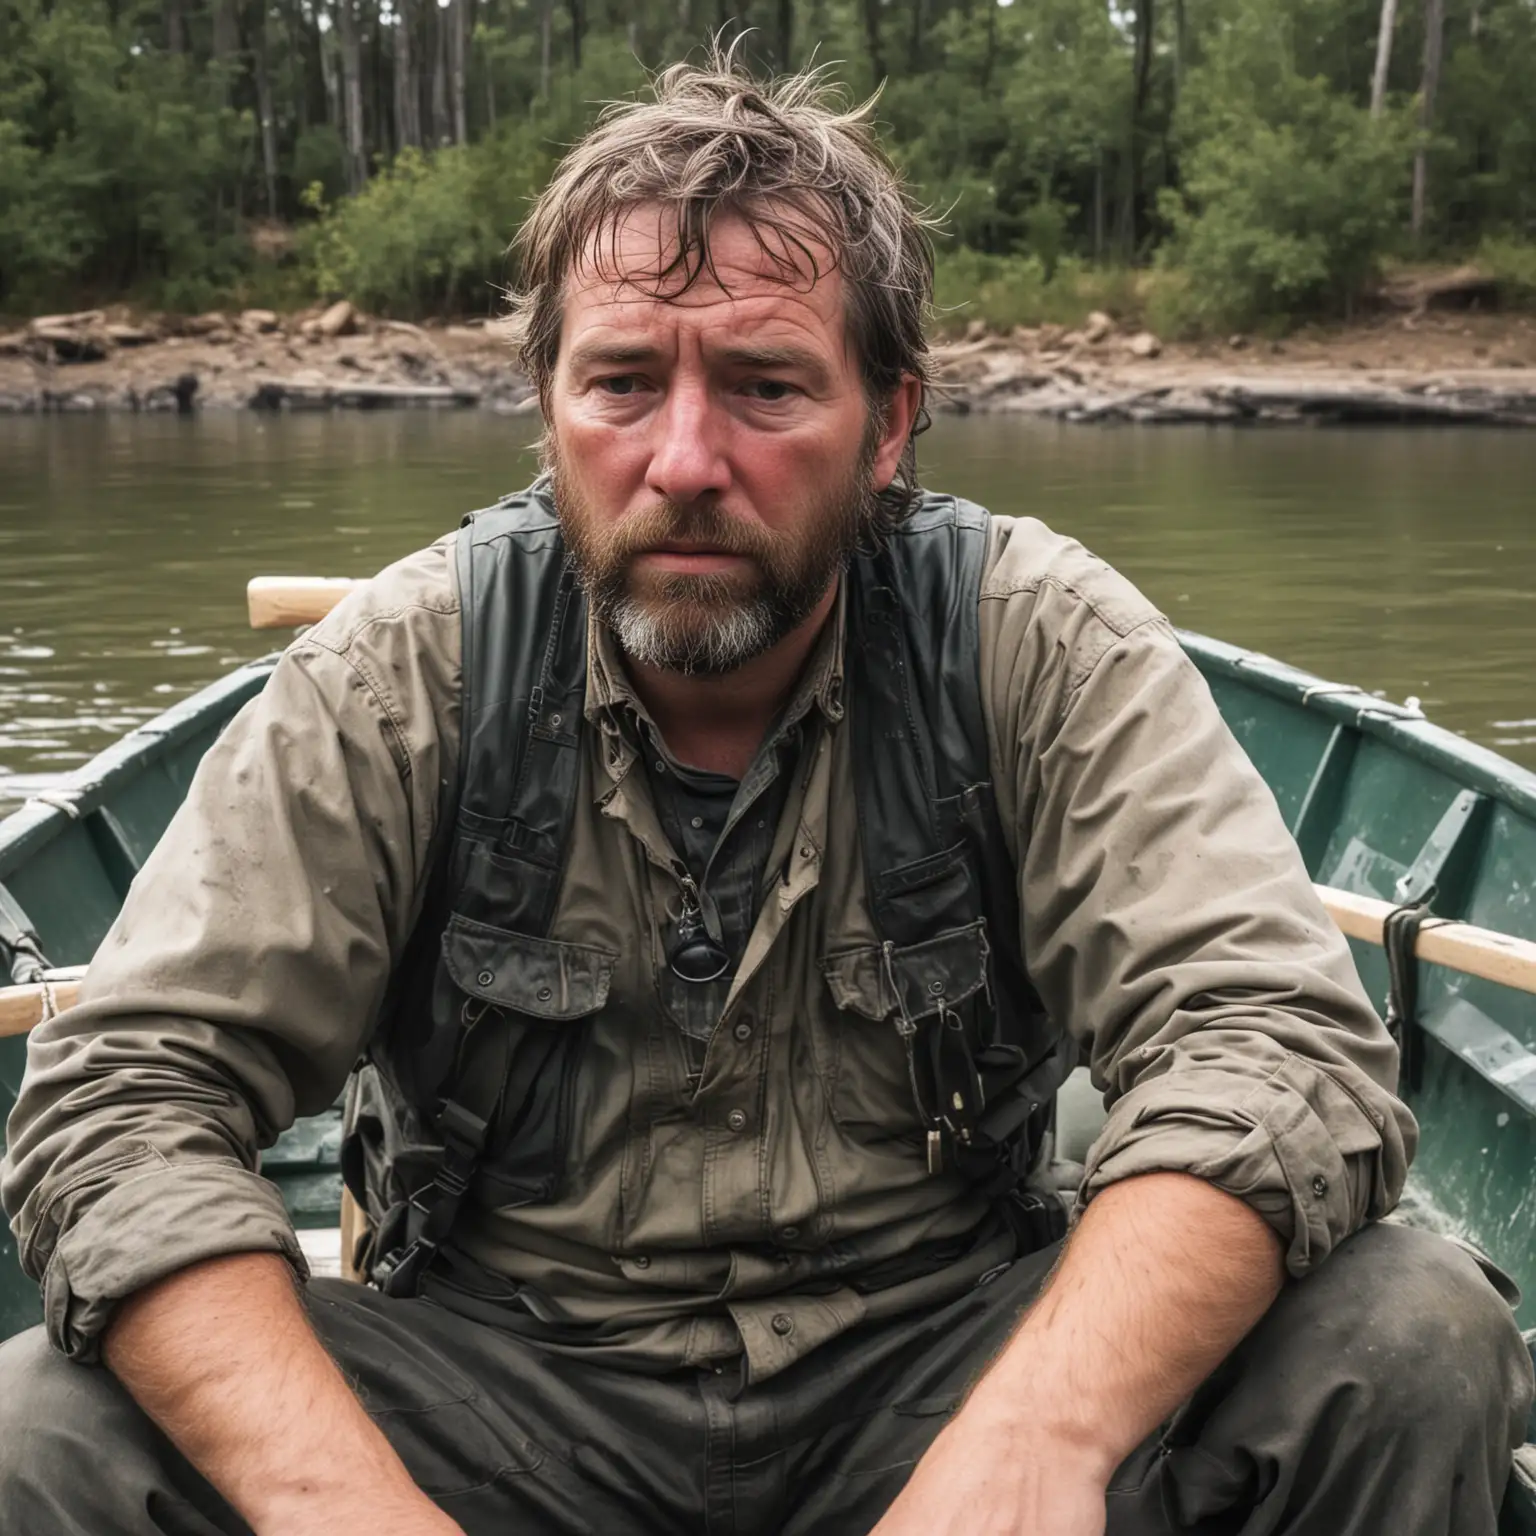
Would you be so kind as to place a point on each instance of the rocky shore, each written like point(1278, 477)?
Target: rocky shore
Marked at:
point(1446, 368)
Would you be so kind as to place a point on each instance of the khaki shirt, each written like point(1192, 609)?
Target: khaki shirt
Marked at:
point(765, 1204)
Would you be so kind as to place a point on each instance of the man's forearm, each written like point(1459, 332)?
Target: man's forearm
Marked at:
point(1162, 1278)
point(222, 1357)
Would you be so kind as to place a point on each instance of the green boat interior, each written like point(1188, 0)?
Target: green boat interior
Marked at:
point(1389, 810)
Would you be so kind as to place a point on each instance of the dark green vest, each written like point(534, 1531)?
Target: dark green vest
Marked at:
point(985, 1060)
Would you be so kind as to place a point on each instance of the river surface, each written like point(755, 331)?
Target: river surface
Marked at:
point(1403, 561)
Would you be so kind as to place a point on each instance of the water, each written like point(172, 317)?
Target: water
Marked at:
point(1403, 561)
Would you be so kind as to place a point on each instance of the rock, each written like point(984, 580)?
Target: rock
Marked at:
point(177, 395)
point(976, 330)
point(1237, 341)
point(202, 325)
point(219, 338)
point(131, 335)
point(1097, 327)
point(1144, 344)
point(14, 343)
point(339, 320)
point(71, 345)
point(81, 317)
point(402, 328)
point(258, 322)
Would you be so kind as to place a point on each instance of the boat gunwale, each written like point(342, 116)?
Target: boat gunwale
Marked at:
point(30, 828)
point(1471, 764)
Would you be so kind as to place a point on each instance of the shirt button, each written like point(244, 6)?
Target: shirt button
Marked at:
point(1319, 1186)
point(783, 1324)
point(641, 1261)
point(743, 1030)
point(696, 822)
point(789, 1234)
point(737, 1119)
point(485, 978)
point(661, 767)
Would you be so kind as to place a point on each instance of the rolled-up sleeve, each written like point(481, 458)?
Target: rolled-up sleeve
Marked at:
point(246, 968)
point(1168, 920)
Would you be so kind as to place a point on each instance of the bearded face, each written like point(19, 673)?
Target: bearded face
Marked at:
point(709, 623)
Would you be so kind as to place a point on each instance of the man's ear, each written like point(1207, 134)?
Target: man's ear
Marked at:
point(898, 419)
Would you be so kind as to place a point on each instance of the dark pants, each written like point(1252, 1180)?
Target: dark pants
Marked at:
point(1380, 1396)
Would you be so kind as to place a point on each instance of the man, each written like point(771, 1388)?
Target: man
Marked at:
point(712, 1258)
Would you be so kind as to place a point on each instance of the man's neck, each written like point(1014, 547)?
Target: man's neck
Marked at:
point(719, 722)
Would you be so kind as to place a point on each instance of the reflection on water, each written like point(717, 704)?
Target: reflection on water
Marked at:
point(1404, 561)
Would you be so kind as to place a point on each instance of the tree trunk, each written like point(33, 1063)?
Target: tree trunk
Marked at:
point(546, 26)
point(1384, 31)
point(442, 123)
point(350, 48)
point(454, 16)
point(578, 26)
point(407, 81)
point(919, 35)
point(785, 44)
point(1146, 19)
point(226, 43)
point(1180, 47)
point(989, 59)
point(872, 38)
point(331, 81)
point(1098, 207)
point(264, 110)
point(1434, 42)
point(175, 27)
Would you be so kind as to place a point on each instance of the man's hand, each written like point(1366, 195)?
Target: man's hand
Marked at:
point(1163, 1277)
point(221, 1356)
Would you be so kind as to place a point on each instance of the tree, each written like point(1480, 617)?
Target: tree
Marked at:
point(1434, 44)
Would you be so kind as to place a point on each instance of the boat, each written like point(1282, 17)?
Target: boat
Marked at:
point(1390, 811)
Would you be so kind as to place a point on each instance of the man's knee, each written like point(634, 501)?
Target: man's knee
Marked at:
point(50, 1408)
point(1413, 1322)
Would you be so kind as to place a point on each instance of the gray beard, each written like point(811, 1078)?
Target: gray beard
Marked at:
point(726, 640)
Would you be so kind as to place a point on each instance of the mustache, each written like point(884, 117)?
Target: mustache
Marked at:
point(665, 522)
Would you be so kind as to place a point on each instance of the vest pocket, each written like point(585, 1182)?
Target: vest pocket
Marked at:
point(879, 989)
point(529, 999)
point(542, 978)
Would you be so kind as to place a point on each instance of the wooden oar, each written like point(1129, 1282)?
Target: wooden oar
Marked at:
point(1458, 946)
point(285, 602)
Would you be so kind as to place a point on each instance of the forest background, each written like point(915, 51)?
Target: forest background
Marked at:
point(1194, 164)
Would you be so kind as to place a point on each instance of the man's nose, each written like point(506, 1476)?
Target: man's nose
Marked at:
point(688, 459)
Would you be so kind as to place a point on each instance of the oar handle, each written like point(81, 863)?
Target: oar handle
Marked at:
point(285, 602)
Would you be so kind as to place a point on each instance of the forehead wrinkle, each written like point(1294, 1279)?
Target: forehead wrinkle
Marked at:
point(640, 252)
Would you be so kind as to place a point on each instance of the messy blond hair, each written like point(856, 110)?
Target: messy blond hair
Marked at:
point(791, 158)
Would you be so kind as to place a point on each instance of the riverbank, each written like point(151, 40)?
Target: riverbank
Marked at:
point(1431, 367)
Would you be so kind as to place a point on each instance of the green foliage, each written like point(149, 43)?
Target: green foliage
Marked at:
point(114, 161)
point(1005, 291)
point(1511, 264)
point(1246, 168)
point(1290, 194)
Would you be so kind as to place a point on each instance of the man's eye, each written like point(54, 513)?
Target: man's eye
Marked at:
point(620, 384)
point(770, 390)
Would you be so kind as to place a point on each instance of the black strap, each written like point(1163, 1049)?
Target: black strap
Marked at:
point(1400, 938)
point(464, 1124)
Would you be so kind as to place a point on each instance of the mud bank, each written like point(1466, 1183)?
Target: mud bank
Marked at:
point(1459, 369)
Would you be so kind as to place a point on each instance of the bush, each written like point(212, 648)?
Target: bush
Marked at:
point(1511, 264)
point(1291, 195)
point(1005, 291)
